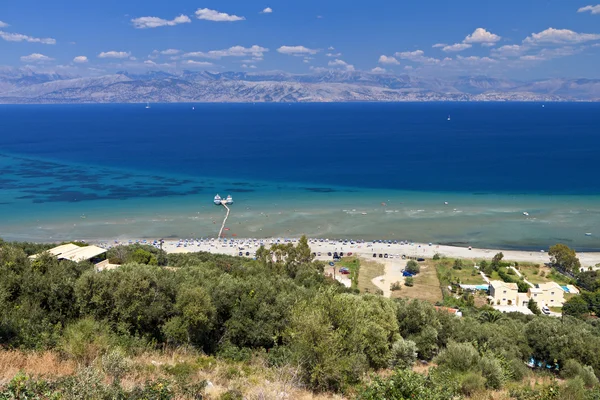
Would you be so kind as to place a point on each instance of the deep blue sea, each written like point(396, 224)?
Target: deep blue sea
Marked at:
point(100, 164)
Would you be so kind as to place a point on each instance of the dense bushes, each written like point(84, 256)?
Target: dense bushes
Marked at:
point(282, 308)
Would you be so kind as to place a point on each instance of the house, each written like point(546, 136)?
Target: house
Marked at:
point(73, 252)
point(549, 294)
point(504, 294)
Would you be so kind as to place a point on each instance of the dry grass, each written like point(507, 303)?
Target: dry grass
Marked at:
point(426, 285)
point(47, 364)
point(368, 271)
point(254, 379)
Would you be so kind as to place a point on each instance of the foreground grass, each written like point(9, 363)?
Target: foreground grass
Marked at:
point(188, 375)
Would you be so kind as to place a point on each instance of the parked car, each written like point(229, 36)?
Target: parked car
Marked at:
point(546, 310)
point(344, 271)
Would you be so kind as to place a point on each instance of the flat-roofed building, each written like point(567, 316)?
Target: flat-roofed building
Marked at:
point(73, 252)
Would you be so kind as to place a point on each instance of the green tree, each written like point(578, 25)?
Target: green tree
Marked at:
point(533, 307)
point(413, 267)
point(576, 306)
point(496, 260)
point(564, 259)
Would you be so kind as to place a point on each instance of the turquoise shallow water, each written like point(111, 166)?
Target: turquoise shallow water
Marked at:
point(276, 209)
point(121, 171)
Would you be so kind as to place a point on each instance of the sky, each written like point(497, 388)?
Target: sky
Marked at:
point(516, 39)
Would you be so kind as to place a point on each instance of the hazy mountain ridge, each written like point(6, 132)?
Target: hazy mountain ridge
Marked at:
point(27, 86)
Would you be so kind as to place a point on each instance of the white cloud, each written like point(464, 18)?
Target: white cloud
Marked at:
point(457, 47)
point(509, 50)
point(17, 37)
point(531, 58)
point(341, 63)
point(437, 45)
point(114, 54)
point(216, 16)
point(3, 24)
point(155, 22)
point(267, 10)
point(408, 67)
point(170, 52)
point(482, 37)
point(296, 50)
point(36, 57)
point(388, 60)
point(248, 66)
point(592, 9)
point(475, 60)
point(334, 55)
point(80, 59)
point(331, 48)
point(236, 51)
point(417, 56)
point(197, 63)
point(560, 36)
point(378, 70)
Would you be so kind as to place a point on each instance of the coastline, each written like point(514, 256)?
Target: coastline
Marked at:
point(364, 249)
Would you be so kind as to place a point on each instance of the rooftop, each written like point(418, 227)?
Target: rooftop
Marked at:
point(73, 252)
point(503, 285)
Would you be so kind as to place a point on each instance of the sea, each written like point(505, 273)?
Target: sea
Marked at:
point(497, 175)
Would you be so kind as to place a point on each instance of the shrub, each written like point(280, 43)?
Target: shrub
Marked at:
point(491, 369)
point(403, 354)
point(409, 281)
point(85, 340)
point(437, 256)
point(413, 267)
point(457, 264)
point(571, 369)
point(395, 286)
point(588, 376)
point(472, 383)
point(460, 357)
point(232, 395)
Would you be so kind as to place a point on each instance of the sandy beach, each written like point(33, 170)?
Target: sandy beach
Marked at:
point(365, 249)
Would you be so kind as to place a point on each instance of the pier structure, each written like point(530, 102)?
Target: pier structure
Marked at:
point(224, 204)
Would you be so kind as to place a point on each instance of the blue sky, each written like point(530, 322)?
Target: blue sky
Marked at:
point(524, 39)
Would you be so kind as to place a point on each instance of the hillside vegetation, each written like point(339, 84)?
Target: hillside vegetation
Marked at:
point(205, 326)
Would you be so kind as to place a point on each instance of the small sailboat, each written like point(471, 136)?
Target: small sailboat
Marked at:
point(147, 105)
point(448, 117)
point(525, 213)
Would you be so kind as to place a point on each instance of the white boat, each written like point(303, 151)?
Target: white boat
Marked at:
point(218, 200)
point(525, 213)
point(588, 234)
point(448, 118)
point(147, 105)
point(229, 199)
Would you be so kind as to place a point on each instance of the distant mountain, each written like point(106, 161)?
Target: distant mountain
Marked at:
point(27, 86)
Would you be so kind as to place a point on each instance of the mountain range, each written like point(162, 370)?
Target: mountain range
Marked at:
point(25, 86)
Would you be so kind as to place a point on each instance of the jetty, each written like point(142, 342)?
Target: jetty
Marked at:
point(224, 202)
